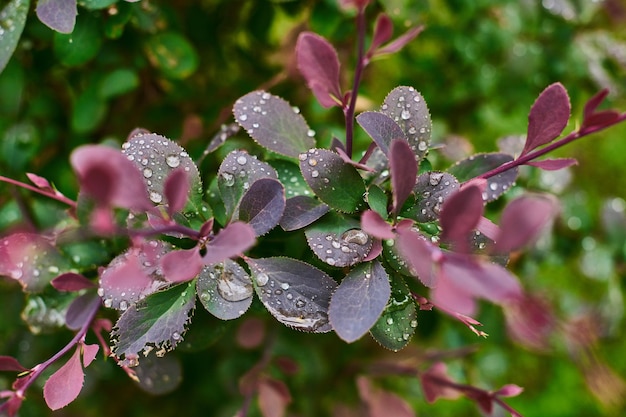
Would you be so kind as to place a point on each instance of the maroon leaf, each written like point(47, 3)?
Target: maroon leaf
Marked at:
point(553, 164)
point(89, 353)
point(376, 226)
point(432, 190)
point(383, 30)
point(460, 215)
point(70, 281)
point(273, 397)
point(10, 364)
point(381, 128)
point(12, 405)
point(263, 205)
point(436, 383)
point(509, 390)
point(318, 63)
point(548, 117)
point(231, 241)
point(420, 254)
point(65, 384)
point(225, 289)
point(381, 403)
point(40, 182)
point(400, 42)
point(81, 310)
point(592, 104)
point(523, 220)
point(59, 15)
point(300, 211)
point(530, 321)
point(600, 119)
point(359, 301)
point(176, 190)
point(357, 4)
point(181, 265)
point(344, 156)
point(403, 172)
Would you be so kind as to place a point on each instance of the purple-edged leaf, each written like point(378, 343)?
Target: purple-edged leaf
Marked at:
point(273, 123)
point(338, 241)
point(235, 176)
point(553, 164)
point(376, 226)
point(181, 265)
point(65, 384)
point(400, 42)
point(478, 164)
point(301, 211)
point(71, 281)
point(548, 117)
point(159, 376)
point(359, 301)
point(89, 353)
point(225, 290)
point(176, 190)
point(157, 322)
point(231, 241)
point(381, 128)
point(59, 15)
point(263, 205)
point(336, 183)
point(432, 189)
point(398, 321)
point(383, 30)
point(420, 255)
point(81, 310)
point(156, 157)
point(318, 63)
point(30, 259)
point(600, 119)
point(408, 109)
point(523, 220)
point(13, 16)
point(403, 172)
point(294, 292)
point(133, 275)
point(460, 215)
point(10, 364)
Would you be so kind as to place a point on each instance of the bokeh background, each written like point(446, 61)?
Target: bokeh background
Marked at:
point(176, 68)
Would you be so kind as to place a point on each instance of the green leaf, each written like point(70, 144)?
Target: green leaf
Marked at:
point(114, 24)
point(96, 4)
point(80, 46)
point(377, 200)
point(397, 324)
point(290, 176)
point(45, 313)
point(118, 82)
point(172, 54)
point(88, 111)
point(336, 183)
point(158, 322)
point(20, 143)
point(12, 20)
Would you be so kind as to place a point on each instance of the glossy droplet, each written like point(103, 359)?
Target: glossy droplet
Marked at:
point(284, 286)
point(331, 261)
point(108, 303)
point(172, 161)
point(123, 305)
point(176, 336)
point(355, 236)
point(243, 117)
point(405, 115)
point(389, 321)
point(300, 303)
point(303, 157)
point(435, 178)
point(147, 172)
point(156, 197)
point(315, 173)
point(422, 146)
point(313, 162)
point(242, 160)
point(233, 290)
point(493, 186)
point(413, 323)
point(205, 296)
point(310, 133)
point(229, 179)
point(261, 279)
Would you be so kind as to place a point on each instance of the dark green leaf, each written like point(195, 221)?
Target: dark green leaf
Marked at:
point(118, 82)
point(80, 46)
point(19, 144)
point(88, 111)
point(172, 54)
point(290, 176)
point(377, 200)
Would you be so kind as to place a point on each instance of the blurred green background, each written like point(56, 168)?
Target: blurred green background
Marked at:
point(176, 68)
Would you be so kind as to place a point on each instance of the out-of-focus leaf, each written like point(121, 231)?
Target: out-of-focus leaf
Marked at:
point(80, 310)
point(553, 164)
point(273, 123)
point(80, 46)
point(460, 216)
point(118, 82)
point(318, 62)
point(300, 211)
point(336, 183)
point(176, 190)
point(432, 189)
point(12, 20)
point(10, 364)
point(157, 322)
point(382, 403)
point(359, 301)
point(20, 143)
point(59, 15)
point(419, 254)
point(479, 164)
point(381, 128)
point(290, 176)
point(376, 226)
point(273, 397)
point(88, 111)
point(403, 172)
point(263, 205)
point(225, 289)
point(172, 54)
point(65, 384)
point(294, 292)
point(433, 388)
point(548, 117)
point(383, 30)
point(400, 42)
point(96, 4)
point(159, 376)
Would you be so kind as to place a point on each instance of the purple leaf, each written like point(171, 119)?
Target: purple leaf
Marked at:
point(548, 117)
point(531, 322)
point(478, 164)
point(553, 164)
point(133, 275)
point(263, 205)
point(110, 178)
point(376, 226)
point(71, 281)
point(59, 15)
point(344, 156)
point(181, 265)
point(420, 254)
point(295, 293)
point(383, 30)
point(226, 131)
point(509, 390)
point(522, 221)
point(434, 386)
point(400, 42)
point(80, 310)
point(157, 323)
point(460, 215)
point(432, 190)
point(381, 128)
point(40, 182)
point(236, 173)
point(176, 190)
point(592, 104)
point(336, 183)
point(338, 241)
point(225, 290)
point(403, 172)
point(231, 241)
point(300, 211)
point(318, 63)
point(408, 109)
point(89, 353)
point(359, 301)
point(600, 119)
point(10, 364)
point(357, 4)
point(65, 384)
point(273, 123)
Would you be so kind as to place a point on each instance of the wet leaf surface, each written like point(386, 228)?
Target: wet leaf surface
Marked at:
point(479, 164)
point(225, 290)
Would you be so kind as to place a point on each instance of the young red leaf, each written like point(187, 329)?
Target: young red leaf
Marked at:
point(10, 364)
point(89, 353)
point(436, 383)
point(58, 15)
point(182, 265)
point(548, 117)
point(274, 397)
point(601, 119)
point(65, 384)
point(263, 205)
point(71, 281)
point(383, 30)
point(421, 255)
point(403, 172)
point(523, 220)
point(357, 4)
point(592, 104)
point(11, 406)
point(81, 310)
point(400, 42)
point(530, 321)
point(553, 164)
point(509, 390)
point(40, 182)
point(176, 190)
point(376, 226)
point(460, 215)
point(381, 128)
point(318, 62)
point(381, 403)
point(231, 241)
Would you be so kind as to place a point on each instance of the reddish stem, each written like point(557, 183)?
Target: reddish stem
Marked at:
point(358, 73)
point(58, 197)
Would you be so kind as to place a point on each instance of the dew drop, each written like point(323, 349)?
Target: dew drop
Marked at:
point(303, 156)
point(242, 160)
point(233, 290)
point(266, 96)
point(123, 305)
point(300, 303)
point(313, 162)
point(172, 161)
point(229, 179)
point(101, 292)
point(284, 286)
point(176, 336)
point(331, 261)
point(405, 115)
point(156, 197)
point(422, 146)
point(310, 133)
point(355, 236)
point(493, 186)
point(406, 336)
point(413, 323)
point(261, 279)
point(336, 244)
point(390, 321)
point(315, 173)
point(416, 99)
point(147, 172)
point(255, 125)
point(108, 303)
point(205, 296)
point(243, 117)
point(435, 178)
